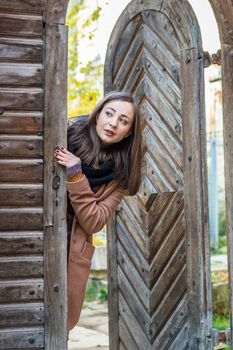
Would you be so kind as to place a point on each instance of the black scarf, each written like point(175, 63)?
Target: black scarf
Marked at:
point(103, 175)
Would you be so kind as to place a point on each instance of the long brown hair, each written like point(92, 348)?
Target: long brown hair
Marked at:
point(127, 154)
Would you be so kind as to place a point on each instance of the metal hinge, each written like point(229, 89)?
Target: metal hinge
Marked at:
point(215, 58)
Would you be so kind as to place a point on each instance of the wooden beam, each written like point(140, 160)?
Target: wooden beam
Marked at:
point(195, 194)
point(55, 244)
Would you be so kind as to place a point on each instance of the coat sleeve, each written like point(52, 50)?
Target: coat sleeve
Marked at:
point(91, 214)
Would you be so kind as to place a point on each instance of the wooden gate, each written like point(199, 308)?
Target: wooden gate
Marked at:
point(158, 254)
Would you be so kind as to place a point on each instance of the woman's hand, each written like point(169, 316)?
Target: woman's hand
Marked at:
point(66, 158)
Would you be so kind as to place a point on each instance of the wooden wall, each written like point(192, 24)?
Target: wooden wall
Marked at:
point(32, 203)
point(21, 175)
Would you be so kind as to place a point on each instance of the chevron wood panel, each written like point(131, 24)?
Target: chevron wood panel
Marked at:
point(150, 241)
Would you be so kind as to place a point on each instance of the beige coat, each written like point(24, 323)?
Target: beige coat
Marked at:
point(92, 211)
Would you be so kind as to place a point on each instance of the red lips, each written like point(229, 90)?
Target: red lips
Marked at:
point(109, 132)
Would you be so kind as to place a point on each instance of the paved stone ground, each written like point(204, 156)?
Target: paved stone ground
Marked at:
point(92, 330)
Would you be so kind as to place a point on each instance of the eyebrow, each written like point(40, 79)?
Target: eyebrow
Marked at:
point(123, 115)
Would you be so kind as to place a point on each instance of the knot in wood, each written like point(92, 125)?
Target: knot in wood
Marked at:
point(56, 288)
point(31, 340)
point(31, 291)
point(1, 111)
point(31, 245)
point(188, 59)
point(31, 99)
point(56, 182)
point(30, 147)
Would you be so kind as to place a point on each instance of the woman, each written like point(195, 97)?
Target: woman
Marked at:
point(103, 164)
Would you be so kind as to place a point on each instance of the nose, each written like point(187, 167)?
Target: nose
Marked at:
point(113, 122)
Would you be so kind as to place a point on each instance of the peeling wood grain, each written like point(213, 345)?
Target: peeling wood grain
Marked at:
point(21, 242)
point(21, 122)
point(21, 266)
point(21, 146)
point(24, 290)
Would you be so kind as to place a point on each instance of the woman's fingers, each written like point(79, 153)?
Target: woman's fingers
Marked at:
point(66, 158)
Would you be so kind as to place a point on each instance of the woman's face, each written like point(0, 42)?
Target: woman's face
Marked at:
point(115, 121)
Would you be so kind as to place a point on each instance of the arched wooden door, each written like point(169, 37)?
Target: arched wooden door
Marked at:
point(158, 240)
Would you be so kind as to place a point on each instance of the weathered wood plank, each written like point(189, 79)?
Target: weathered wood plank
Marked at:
point(55, 11)
point(183, 17)
point(125, 340)
point(135, 332)
point(21, 195)
point(21, 171)
point(172, 211)
point(147, 192)
point(195, 198)
point(21, 219)
point(129, 270)
point(29, 6)
point(180, 342)
point(135, 255)
point(16, 98)
point(21, 290)
point(30, 314)
point(21, 123)
point(159, 254)
point(26, 50)
point(175, 322)
point(163, 57)
point(19, 25)
point(227, 64)
point(113, 323)
point(21, 75)
point(21, 267)
point(130, 31)
point(170, 302)
point(167, 276)
point(158, 127)
point(223, 13)
point(130, 225)
point(22, 338)
point(55, 252)
point(21, 242)
point(21, 146)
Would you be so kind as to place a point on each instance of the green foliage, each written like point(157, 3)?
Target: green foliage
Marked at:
point(90, 294)
point(221, 322)
point(103, 295)
point(222, 223)
point(84, 84)
point(222, 246)
point(96, 292)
